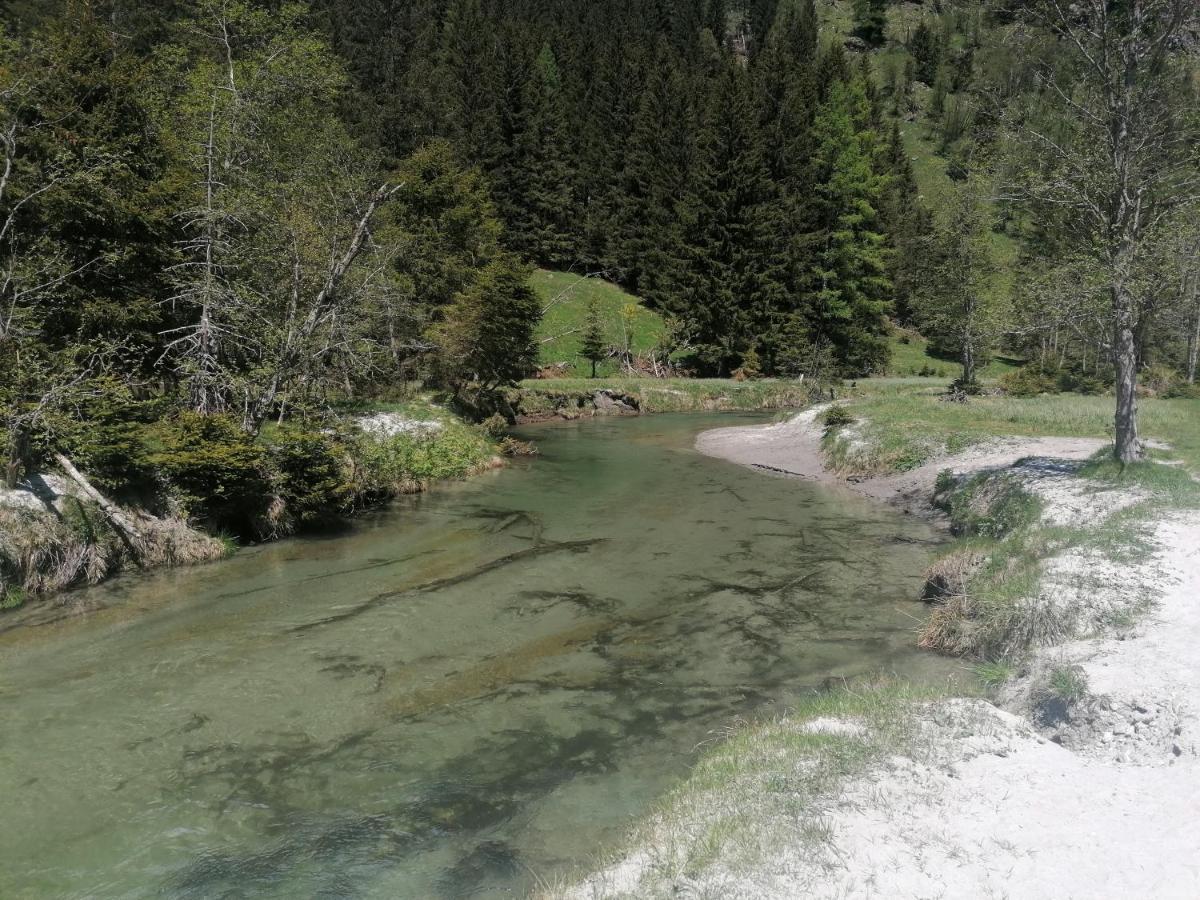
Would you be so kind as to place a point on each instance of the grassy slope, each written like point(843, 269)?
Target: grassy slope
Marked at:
point(567, 297)
point(910, 357)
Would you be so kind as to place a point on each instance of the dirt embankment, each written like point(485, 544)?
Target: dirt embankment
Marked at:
point(793, 449)
point(1096, 798)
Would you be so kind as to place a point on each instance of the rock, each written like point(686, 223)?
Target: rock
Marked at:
point(608, 400)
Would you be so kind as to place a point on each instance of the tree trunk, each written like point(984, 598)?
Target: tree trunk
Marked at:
point(124, 526)
point(968, 361)
point(1127, 447)
point(1194, 339)
point(18, 453)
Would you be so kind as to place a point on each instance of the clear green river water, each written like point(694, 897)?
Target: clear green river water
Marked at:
point(471, 690)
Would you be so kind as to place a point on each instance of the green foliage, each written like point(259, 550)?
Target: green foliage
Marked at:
point(212, 470)
point(994, 674)
point(1029, 381)
point(854, 290)
point(989, 506)
point(1068, 683)
point(12, 598)
point(567, 299)
point(494, 426)
point(106, 434)
point(870, 17)
point(837, 416)
point(486, 335)
point(308, 473)
point(958, 305)
point(405, 463)
point(592, 345)
point(926, 49)
point(1181, 390)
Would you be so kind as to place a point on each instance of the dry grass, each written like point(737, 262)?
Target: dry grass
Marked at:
point(42, 552)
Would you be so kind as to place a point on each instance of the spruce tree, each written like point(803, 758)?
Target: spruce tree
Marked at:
point(735, 221)
point(591, 346)
point(852, 291)
point(926, 50)
point(543, 214)
point(659, 164)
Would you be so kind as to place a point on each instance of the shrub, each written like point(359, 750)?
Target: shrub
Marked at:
point(1028, 381)
point(212, 471)
point(1181, 390)
point(1158, 380)
point(993, 674)
point(106, 437)
point(494, 426)
point(968, 388)
point(1076, 380)
point(837, 416)
point(405, 463)
point(308, 469)
point(989, 506)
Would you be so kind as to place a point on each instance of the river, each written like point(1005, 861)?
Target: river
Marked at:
point(472, 690)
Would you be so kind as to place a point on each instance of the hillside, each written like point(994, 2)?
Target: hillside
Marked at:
point(566, 298)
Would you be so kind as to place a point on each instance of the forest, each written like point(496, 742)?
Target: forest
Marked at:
point(222, 221)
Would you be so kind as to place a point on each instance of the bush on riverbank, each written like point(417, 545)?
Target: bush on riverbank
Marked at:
point(41, 553)
point(207, 472)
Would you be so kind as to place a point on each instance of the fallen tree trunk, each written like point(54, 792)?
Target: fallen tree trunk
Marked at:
point(121, 523)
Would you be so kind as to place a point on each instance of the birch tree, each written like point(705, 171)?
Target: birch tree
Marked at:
point(278, 253)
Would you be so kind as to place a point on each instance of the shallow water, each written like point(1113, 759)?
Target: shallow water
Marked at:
point(477, 688)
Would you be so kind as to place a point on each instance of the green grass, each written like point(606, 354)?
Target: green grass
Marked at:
point(904, 423)
point(405, 463)
point(547, 396)
point(566, 298)
point(767, 786)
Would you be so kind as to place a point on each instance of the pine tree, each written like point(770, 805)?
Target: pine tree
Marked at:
point(926, 50)
point(486, 337)
point(960, 306)
point(592, 346)
point(657, 178)
point(904, 219)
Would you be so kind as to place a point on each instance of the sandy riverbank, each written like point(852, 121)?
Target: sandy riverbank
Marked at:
point(984, 801)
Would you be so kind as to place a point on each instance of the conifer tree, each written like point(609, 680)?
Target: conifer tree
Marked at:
point(736, 289)
point(851, 288)
point(657, 178)
point(926, 50)
point(591, 345)
point(959, 304)
point(543, 214)
point(903, 218)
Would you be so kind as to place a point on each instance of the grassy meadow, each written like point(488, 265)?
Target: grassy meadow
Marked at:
point(566, 298)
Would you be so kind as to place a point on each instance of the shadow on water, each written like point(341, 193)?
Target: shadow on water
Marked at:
point(490, 682)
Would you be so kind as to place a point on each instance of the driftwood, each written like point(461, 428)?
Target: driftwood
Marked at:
point(121, 523)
